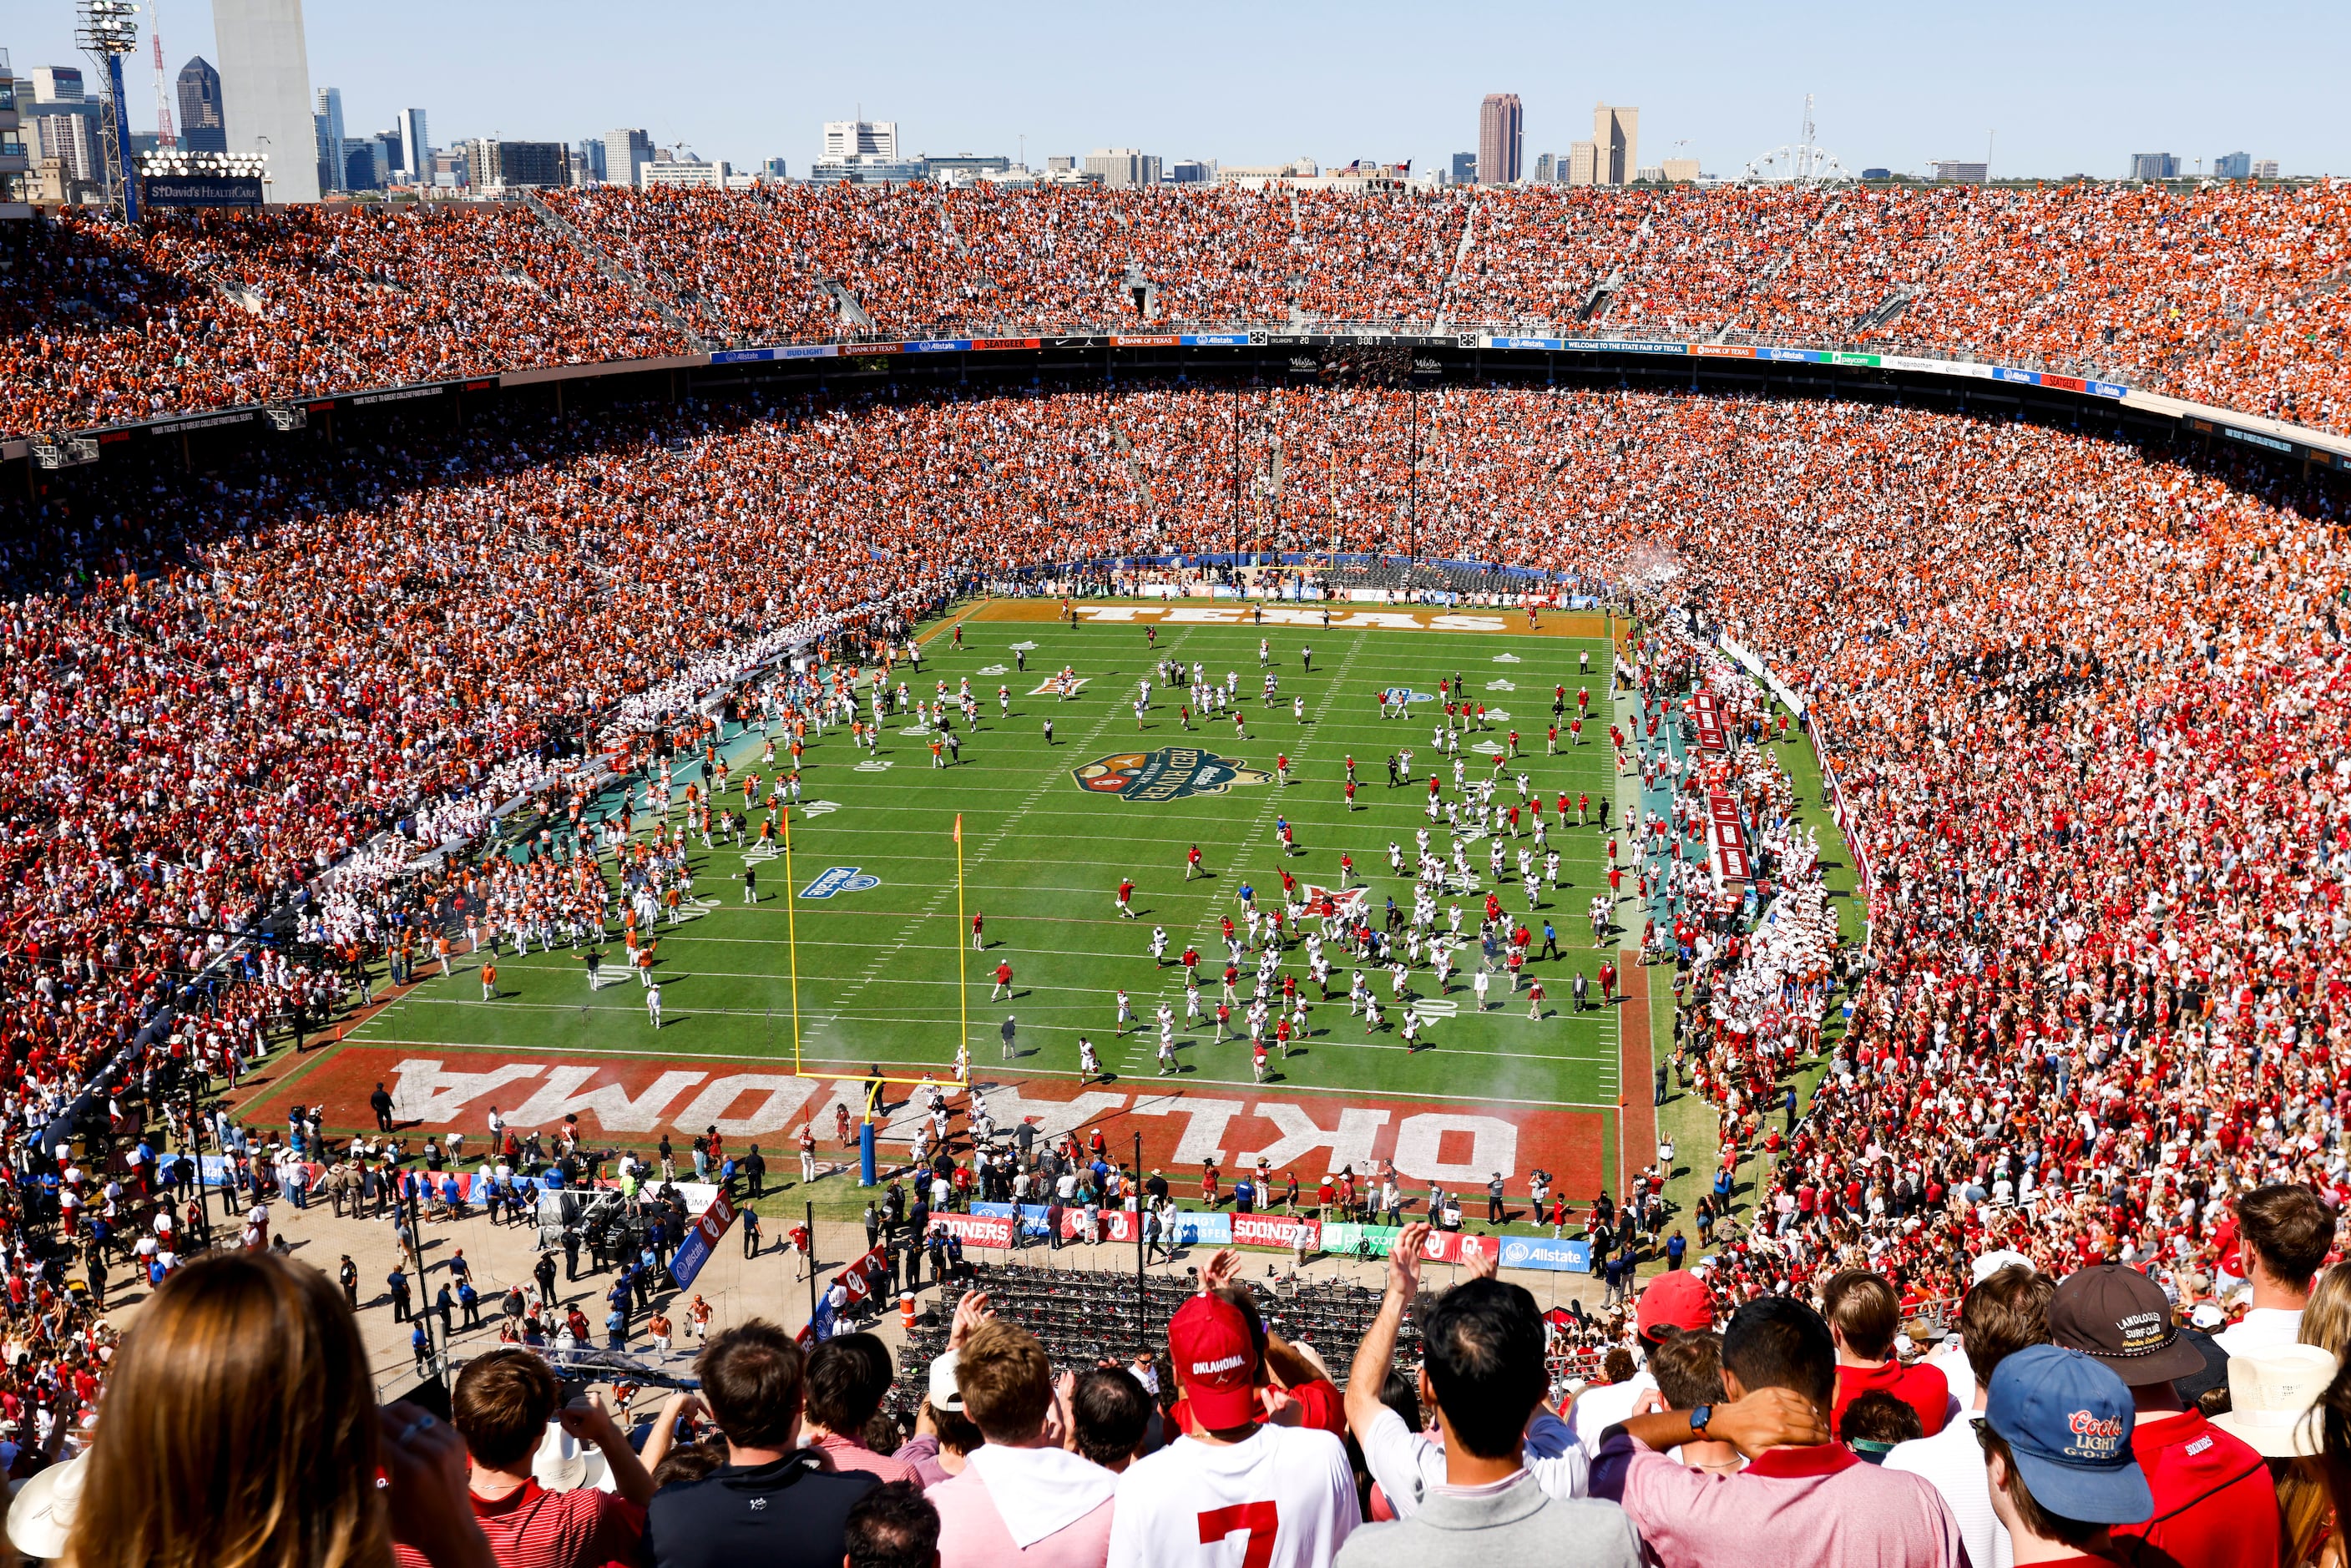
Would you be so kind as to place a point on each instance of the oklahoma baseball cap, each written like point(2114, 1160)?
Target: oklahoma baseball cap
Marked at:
point(2121, 1317)
point(1678, 1299)
point(2068, 1418)
point(1216, 1360)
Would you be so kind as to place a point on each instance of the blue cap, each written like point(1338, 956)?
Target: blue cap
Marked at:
point(2068, 1418)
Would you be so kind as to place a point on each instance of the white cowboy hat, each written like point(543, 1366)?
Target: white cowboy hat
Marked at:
point(42, 1514)
point(2271, 1394)
point(563, 1464)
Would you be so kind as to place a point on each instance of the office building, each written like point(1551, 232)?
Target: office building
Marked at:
point(328, 119)
point(384, 150)
point(1546, 168)
point(1953, 172)
point(361, 166)
point(1123, 167)
point(848, 139)
point(626, 152)
point(1616, 143)
point(16, 159)
point(415, 147)
point(1465, 168)
point(2233, 166)
point(1501, 137)
point(265, 105)
point(1583, 163)
point(1190, 172)
point(201, 126)
point(1677, 171)
point(2154, 166)
point(774, 169)
point(692, 173)
point(1061, 163)
point(587, 162)
point(963, 166)
point(1877, 173)
point(2266, 168)
point(514, 165)
point(62, 125)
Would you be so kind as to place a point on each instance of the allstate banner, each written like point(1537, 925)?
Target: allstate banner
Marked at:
point(702, 1240)
point(1536, 1252)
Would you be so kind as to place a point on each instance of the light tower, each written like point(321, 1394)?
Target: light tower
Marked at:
point(109, 30)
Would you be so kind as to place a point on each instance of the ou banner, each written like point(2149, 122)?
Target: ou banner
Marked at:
point(1274, 1230)
point(702, 1240)
point(1442, 1245)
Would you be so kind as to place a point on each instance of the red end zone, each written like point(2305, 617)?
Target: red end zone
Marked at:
point(632, 1100)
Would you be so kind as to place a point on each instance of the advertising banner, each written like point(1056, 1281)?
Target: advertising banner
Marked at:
point(1275, 1230)
point(1537, 1252)
point(702, 1240)
point(976, 1229)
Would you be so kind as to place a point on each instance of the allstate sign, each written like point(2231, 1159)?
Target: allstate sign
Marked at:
point(840, 878)
point(1535, 1252)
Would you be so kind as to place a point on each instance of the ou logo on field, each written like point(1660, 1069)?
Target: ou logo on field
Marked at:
point(840, 879)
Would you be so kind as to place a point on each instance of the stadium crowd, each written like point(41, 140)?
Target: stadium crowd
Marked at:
point(2230, 294)
point(2082, 698)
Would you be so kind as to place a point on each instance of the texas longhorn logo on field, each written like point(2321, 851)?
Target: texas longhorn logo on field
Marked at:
point(1170, 773)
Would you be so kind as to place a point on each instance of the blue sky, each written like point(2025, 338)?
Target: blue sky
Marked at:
point(2067, 87)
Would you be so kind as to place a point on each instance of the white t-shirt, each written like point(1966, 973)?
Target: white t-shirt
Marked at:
point(1597, 1409)
point(1952, 1462)
point(1407, 1463)
point(1206, 1505)
point(2263, 1327)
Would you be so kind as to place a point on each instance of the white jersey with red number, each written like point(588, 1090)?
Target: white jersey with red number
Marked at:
point(1284, 1498)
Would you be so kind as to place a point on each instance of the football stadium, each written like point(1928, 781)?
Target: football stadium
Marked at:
point(1752, 773)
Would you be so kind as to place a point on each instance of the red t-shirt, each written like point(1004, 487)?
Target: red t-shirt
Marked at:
point(1922, 1388)
point(2214, 1504)
point(533, 1528)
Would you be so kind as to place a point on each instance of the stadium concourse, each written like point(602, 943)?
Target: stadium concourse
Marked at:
point(2079, 698)
point(2229, 294)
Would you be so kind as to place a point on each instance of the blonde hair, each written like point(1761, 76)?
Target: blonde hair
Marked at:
point(238, 1429)
point(2326, 1321)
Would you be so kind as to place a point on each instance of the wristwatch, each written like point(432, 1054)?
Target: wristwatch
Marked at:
point(1699, 1416)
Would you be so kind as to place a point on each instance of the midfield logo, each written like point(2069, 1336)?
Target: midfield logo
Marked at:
point(1170, 773)
point(840, 879)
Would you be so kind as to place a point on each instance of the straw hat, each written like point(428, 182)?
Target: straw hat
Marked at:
point(2270, 1393)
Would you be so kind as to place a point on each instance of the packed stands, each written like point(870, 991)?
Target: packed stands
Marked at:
point(2229, 294)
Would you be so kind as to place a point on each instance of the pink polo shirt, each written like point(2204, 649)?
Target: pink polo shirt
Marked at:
point(1790, 1505)
point(972, 1533)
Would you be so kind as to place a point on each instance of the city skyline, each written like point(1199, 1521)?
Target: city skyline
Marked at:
point(2040, 93)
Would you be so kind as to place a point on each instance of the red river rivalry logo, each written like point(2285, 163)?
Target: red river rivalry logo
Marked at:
point(1170, 773)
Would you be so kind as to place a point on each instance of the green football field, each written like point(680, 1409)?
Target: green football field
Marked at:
point(885, 973)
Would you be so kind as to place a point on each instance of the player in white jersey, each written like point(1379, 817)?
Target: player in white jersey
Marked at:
point(1230, 1490)
point(1088, 1060)
point(1159, 944)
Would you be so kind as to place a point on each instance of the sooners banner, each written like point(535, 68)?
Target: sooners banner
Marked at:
point(702, 1240)
point(976, 1229)
point(1727, 839)
point(1274, 1230)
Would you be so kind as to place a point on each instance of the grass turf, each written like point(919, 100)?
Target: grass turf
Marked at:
point(878, 969)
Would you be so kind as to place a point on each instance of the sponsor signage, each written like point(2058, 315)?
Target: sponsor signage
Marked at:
point(2253, 438)
point(702, 1240)
point(1215, 339)
point(1539, 1252)
point(1275, 1230)
point(782, 352)
point(1625, 346)
point(1170, 773)
point(200, 190)
point(976, 1229)
point(1722, 350)
point(986, 345)
point(1145, 341)
point(1727, 839)
point(1525, 342)
point(840, 879)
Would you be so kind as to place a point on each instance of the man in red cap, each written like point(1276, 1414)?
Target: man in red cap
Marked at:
point(1283, 1493)
point(1676, 1302)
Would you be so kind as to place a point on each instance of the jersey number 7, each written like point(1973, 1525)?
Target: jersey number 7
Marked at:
point(1258, 1521)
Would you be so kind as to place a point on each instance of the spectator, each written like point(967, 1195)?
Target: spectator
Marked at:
point(2056, 1435)
point(1230, 1475)
point(503, 1405)
point(1112, 1415)
point(1802, 1499)
point(1020, 1497)
point(1874, 1424)
point(2006, 1311)
point(893, 1526)
point(240, 1426)
point(753, 1379)
point(2284, 1234)
point(2213, 1500)
point(847, 1377)
point(1674, 1303)
point(1689, 1371)
point(1863, 1317)
point(1402, 1459)
point(1485, 1376)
